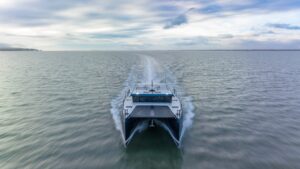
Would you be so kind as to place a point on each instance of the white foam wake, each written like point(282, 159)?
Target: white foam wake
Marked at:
point(189, 114)
point(116, 103)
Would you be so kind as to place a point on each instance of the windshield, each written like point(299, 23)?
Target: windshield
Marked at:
point(165, 99)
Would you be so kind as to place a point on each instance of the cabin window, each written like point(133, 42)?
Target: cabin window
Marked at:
point(164, 99)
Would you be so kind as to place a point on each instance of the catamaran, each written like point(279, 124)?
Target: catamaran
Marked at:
point(152, 105)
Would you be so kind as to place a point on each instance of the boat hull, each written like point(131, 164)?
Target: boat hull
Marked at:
point(133, 125)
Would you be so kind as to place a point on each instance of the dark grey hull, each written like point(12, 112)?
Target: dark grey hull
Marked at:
point(133, 125)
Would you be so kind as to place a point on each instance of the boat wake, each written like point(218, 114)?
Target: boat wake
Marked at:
point(187, 104)
point(147, 71)
point(116, 103)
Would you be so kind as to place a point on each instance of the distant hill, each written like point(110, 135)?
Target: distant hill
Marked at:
point(18, 49)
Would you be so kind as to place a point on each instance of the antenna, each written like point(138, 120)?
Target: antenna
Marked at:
point(152, 84)
point(152, 89)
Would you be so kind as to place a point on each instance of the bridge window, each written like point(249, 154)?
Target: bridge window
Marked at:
point(165, 99)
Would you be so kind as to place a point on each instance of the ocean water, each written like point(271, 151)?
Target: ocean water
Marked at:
point(61, 109)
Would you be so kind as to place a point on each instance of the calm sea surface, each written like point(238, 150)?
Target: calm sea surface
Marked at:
point(59, 110)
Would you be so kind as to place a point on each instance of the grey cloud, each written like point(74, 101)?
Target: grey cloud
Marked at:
point(179, 20)
point(284, 26)
point(37, 12)
point(226, 36)
point(252, 44)
point(202, 41)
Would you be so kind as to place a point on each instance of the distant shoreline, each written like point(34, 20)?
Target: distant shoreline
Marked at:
point(18, 49)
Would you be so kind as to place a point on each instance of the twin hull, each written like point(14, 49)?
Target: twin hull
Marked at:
point(150, 116)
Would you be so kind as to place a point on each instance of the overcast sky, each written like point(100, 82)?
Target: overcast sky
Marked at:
point(149, 24)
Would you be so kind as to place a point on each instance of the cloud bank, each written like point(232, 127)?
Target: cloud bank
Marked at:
point(149, 24)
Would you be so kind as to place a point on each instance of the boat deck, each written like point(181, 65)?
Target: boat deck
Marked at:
point(152, 112)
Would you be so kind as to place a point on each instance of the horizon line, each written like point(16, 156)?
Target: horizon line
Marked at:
point(91, 50)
